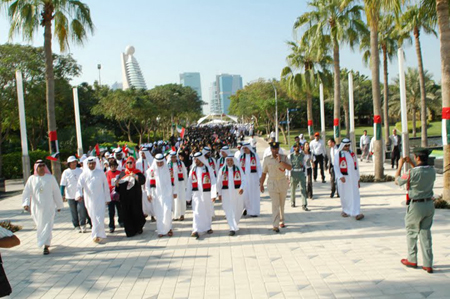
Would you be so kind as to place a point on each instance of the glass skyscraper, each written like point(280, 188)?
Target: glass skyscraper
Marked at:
point(193, 81)
point(225, 86)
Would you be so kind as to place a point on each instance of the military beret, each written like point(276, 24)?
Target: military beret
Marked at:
point(422, 151)
point(274, 144)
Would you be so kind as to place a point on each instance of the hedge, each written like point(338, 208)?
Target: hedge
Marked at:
point(398, 126)
point(12, 162)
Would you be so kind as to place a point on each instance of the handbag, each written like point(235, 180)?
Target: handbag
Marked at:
point(115, 196)
point(5, 287)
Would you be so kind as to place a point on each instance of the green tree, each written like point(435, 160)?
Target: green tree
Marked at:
point(313, 61)
point(413, 95)
point(372, 9)
point(416, 19)
point(328, 23)
point(71, 19)
point(390, 38)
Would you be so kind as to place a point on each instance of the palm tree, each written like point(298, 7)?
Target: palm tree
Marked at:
point(327, 21)
point(71, 20)
point(372, 9)
point(442, 14)
point(413, 94)
point(313, 62)
point(390, 38)
point(414, 20)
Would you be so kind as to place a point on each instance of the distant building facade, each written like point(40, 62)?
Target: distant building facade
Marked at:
point(193, 81)
point(221, 90)
point(131, 72)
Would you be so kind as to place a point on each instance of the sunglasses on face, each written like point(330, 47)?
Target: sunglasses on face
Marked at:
point(41, 165)
point(129, 163)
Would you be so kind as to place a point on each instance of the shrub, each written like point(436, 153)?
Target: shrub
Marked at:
point(369, 178)
point(440, 203)
point(398, 126)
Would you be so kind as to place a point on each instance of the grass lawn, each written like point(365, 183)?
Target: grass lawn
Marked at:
point(434, 129)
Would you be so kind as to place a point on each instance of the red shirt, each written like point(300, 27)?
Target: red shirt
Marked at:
point(111, 177)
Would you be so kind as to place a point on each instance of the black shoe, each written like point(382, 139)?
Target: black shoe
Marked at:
point(244, 213)
point(210, 231)
point(254, 216)
point(305, 208)
point(46, 251)
point(276, 229)
point(232, 233)
point(323, 181)
point(195, 235)
point(153, 219)
point(292, 205)
point(331, 195)
point(111, 229)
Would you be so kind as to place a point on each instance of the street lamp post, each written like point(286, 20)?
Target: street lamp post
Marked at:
point(99, 67)
point(276, 112)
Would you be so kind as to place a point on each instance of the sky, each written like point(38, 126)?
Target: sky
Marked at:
point(243, 37)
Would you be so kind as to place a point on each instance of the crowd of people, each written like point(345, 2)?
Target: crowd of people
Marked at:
point(198, 170)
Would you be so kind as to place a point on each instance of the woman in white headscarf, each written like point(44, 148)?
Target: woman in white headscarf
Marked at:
point(42, 197)
point(347, 176)
point(161, 193)
point(94, 189)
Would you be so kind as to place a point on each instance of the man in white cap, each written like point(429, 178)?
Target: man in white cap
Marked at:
point(199, 186)
point(143, 164)
point(41, 196)
point(93, 188)
point(69, 181)
point(251, 166)
point(347, 175)
point(161, 192)
point(178, 176)
point(230, 187)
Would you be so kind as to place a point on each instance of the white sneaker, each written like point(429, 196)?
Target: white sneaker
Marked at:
point(83, 229)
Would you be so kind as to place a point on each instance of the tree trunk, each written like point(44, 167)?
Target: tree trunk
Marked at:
point(309, 111)
point(337, 93)
point(423, 94)
point(414, 126)
point(129, 131)
point(375, 67)
point(50, 82)
point(386, 95)
point(284, 134)
point(444, 38)
point(347, 120)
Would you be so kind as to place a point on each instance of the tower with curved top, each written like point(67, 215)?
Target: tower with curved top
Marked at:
point(131, 72)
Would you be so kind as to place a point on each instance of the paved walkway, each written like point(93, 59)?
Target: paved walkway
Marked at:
point(319, 255)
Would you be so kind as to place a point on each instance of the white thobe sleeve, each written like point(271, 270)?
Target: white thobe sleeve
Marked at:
point(189, 186)
point(106, 189)
point(80, 186)
point(258, 166)
point(27, 192)
point(147, 183)
point(219, 183)
point(56, 193)
point(337, 169)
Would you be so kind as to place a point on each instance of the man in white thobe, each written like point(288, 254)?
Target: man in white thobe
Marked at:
point(230, 187)
point(347, 175)
point(161, 193)
point(251, 166)
point(42, 197)
point(143, 164)
point(178, 175)
point(93, 188)
point(199, 187)
point(364, 144)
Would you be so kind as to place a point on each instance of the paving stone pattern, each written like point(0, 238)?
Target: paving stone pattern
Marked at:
point(318, 255)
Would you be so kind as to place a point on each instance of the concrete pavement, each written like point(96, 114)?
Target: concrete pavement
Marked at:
point(319, 255)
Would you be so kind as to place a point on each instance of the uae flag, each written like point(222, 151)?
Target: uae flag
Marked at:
point(180, 131)
point(446, 125)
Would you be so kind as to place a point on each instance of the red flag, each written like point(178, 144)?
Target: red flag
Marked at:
point(174, 149)
point(125, 150)
point(97, 150)
point(182, 133)
point(53, 157)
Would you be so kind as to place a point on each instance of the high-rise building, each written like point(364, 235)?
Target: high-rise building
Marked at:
point(214, 99)
point(226, 86)
point(193, 81)
point(131, 72)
